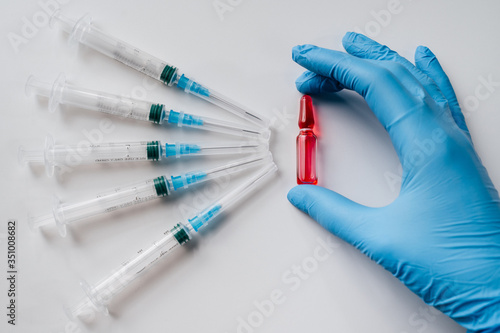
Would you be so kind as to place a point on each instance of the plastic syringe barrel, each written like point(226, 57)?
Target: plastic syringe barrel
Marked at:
point(101, 294)
point(53, 155)
point(60, 92)
point(105, 202)
point(98, 296)
point(119, 197)
point(103, 153)
point(84, 32)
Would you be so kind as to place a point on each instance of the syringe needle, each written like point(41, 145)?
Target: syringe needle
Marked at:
point(98, 296)
point(84, 32)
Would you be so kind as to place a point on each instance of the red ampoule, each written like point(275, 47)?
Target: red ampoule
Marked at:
point(306, 144)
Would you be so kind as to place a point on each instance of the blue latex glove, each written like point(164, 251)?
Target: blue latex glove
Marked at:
point(441, 236)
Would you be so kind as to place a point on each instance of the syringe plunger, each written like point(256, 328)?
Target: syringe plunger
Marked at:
point(34, 86)
point(26, 156)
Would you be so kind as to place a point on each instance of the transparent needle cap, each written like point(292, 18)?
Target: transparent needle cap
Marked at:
point(197, 89)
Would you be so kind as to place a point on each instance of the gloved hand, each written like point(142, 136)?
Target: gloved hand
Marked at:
point(441, 236)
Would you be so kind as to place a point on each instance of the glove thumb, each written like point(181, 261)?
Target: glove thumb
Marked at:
point(341, 216)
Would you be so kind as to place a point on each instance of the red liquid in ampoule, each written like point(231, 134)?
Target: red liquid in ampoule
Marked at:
point(306, 144)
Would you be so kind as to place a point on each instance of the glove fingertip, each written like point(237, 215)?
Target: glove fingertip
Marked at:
point(295, 195)
point(349, 40)
point(356, 38)
point(301, 196)
point(303, 87)
point(349, 37)
point(423, 57)
point(307, 86)
point(423, 51)
point(311, 83)
point(299, 51)
point(295, 52)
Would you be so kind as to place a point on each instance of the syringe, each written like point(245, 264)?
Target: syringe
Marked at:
point(100, 295)
point(136, 193)
point(60, 92)
point(53, 155)
point(84, 32)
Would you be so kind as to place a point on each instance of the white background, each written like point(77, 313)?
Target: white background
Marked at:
point(246, 54)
